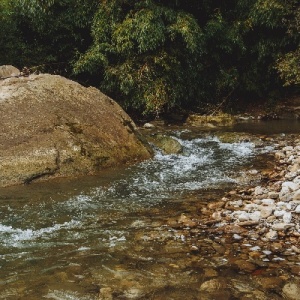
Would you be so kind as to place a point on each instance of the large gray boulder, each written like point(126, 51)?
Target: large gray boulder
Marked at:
point(54, 127)
point(8, 71)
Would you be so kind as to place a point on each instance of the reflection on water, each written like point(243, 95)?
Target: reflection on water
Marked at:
point(268, 127)
point(68, 239)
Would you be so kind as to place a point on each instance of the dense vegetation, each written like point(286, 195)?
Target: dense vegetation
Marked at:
point(156, 56)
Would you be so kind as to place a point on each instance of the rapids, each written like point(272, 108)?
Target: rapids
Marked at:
point(70, 239)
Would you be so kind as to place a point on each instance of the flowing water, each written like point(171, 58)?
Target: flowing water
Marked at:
point(68, 239)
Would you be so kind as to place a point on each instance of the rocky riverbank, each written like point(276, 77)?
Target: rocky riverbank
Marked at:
point(254, 230)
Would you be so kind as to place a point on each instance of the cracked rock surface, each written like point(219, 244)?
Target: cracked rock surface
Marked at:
point(54, 127)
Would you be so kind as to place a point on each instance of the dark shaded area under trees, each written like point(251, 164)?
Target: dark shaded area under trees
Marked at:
point(155, 57)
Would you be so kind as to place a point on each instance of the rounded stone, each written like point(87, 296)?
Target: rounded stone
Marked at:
point(54, 127)
point(212, 285)
point(291, 291)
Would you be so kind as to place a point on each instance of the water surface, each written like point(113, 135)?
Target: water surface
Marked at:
point(68, 239)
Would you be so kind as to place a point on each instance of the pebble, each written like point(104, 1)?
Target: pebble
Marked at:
point(273, 195)
point(269, 282)
point(105, 294)
point(291, 291)
point(237, 237)
point(287, 217)
point(254, 229)
point(296, 195)
point(266, 212)
point(272, 235)
point(255, 248)
point(278, 213)
point(255, 216)
point(268, 202)
point(245, 265)
point(210, 273)
point(297, 210)
point(148, 126)
point(212, 285)
point(260, 191)
point(281, 226)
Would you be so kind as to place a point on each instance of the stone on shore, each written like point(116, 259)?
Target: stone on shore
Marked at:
point(8, 71)
point(210, 120)
point(291, 291)
point(54, 127)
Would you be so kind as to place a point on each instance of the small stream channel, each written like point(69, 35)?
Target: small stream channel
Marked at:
point(69, 239)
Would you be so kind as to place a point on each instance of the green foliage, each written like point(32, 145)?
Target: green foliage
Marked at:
point(52, 31)
point(149, 54)
point(11, 43)
point(288, 64)
point(152, 55)
point(268, 13)
point(289, 68)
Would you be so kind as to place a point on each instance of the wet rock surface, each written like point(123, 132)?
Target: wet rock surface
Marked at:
point(167, 144)
point(210, 121)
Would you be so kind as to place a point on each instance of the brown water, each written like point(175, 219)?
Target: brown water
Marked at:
point(70, 239)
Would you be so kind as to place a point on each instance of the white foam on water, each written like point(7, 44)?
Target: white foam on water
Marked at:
point(15, 236)
point(84, 248)
point(79, 202)
point(112, 238)
point(154, 180)
point(203, 162)
point(66, 295)
point(243, 149)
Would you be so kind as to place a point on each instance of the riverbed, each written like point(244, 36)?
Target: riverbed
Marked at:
point(120, 235)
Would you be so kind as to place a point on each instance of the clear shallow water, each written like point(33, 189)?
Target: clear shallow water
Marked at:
point(67, 239)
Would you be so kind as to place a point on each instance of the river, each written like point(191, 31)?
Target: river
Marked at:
point(71, 238)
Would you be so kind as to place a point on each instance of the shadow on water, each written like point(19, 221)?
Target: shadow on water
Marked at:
point(268, 127)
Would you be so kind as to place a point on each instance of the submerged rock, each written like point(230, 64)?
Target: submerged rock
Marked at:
point(291, 291)
point(212, 285)
point(105, 294)
point(54, 127)
point(167, 144)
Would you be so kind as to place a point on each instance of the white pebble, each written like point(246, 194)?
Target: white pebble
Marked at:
point(260, 190)
point(255, 248)
point(289, 186)
point(243, 216)
point(278, 259)
point(267, 201)
point(287, 217)
point(279, 213)
point(148, 125)
point(237, 237)
point(255, 216)
point(272, 235)
point(282, 226)
point(297, 210)
point(251, 206)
